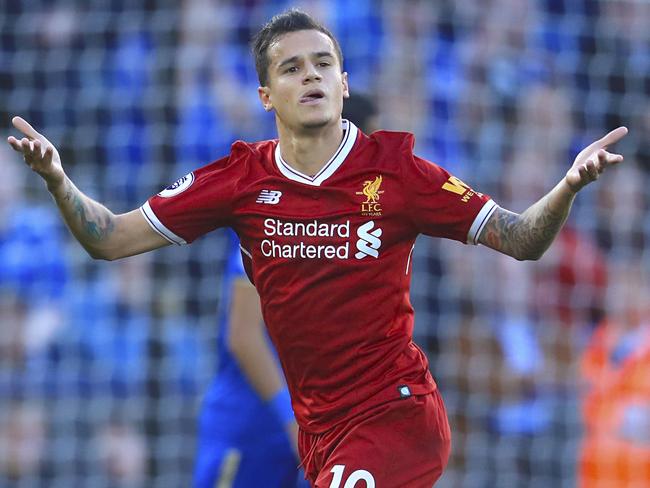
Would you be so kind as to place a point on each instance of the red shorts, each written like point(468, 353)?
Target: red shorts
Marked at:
point(402, 443)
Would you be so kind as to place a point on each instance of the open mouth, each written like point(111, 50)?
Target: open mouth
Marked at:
point(312, 96)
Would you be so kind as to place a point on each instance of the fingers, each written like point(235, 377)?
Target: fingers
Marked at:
point(587, 173)
point(584, 175)
point(23, 145)
point(20, 145)
point(49, 153)
point(28, 146)
point(613, 137)
point(606, 158)
point(34, 145)
point(607, 140)
point(591, 170)
point(36, 149)
point(23, 126)
point(32, 150)
point(15, 144)
point(594, 167)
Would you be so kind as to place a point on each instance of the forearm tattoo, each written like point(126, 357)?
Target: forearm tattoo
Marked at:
point(95, 220)
point(524, 236)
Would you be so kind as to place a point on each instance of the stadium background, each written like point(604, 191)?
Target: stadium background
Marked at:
point(102, 365)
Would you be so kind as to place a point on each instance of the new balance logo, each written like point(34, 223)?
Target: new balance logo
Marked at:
point(369, 242)
point(270, 197)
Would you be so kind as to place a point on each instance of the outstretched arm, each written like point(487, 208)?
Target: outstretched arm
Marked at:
point(103, 234)
point(528, 235)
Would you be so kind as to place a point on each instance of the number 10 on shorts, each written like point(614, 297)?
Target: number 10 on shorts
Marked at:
point(351, 482)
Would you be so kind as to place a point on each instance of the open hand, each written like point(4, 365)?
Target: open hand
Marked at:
point(39, 153)
point(593, 160)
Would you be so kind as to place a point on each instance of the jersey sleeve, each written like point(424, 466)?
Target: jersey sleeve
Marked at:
point(197, 203)
point(441, 205)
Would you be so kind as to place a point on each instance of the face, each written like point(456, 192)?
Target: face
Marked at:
point(305, 84)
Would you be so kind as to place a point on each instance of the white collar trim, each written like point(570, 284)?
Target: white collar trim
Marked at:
point(349, 137)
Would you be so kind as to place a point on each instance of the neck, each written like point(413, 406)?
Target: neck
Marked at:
point(308, 150)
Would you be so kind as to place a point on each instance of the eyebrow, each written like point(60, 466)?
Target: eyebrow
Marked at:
point(293, 59)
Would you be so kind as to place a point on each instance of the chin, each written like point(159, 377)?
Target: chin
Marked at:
point(316, 122)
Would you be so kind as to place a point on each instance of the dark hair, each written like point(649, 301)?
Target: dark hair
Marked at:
point(290, 21)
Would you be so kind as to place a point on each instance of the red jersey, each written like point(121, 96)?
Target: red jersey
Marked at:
point(330, 257)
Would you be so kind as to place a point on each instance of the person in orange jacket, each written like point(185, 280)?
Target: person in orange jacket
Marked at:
point(615, 450)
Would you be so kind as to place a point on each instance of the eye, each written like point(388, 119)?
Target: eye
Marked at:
point(323, 63)
point(291, 69)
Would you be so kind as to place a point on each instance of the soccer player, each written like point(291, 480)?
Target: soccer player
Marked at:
point(246, 424)
point(327, 218)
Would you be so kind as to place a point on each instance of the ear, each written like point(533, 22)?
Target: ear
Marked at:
point(264, 93)
point(346, 89)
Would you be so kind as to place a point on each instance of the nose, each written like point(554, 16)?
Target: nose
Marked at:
point(311, 73)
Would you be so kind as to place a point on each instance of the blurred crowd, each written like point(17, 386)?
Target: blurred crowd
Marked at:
point(544, 366)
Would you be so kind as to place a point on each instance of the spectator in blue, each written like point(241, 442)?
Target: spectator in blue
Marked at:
point(247, 434)
point(33, 278)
